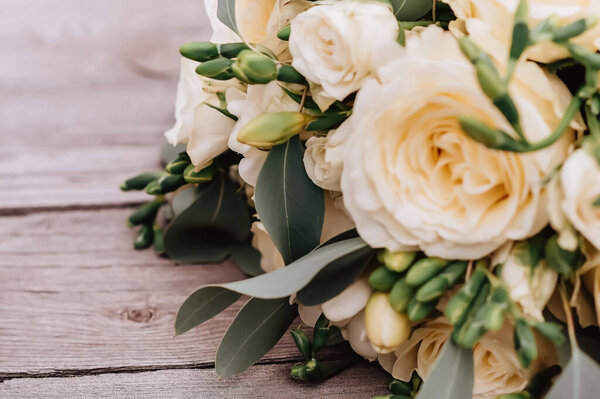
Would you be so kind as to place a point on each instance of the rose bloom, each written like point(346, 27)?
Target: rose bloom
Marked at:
point(489, 22)
point(496, 365)
point(323, 159)
point(338, 44)
point(413, 179)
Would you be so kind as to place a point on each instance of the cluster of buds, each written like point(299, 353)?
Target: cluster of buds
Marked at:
point(403, 390)
point(251, 64)
point(407, 290)
point(177, 173)
point(313, 369)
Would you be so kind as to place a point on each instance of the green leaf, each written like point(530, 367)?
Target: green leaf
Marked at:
point(452, 375)
point(289, 204)
point(258, 326)
point(335, 277)
point(278, 284)
point(207, 220)
point(201, 306)
point(226, 14)
point(411, 10)
point(246, 257)
point(579, 380)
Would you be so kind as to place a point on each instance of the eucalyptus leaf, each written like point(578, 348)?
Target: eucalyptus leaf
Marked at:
point(452, 375)
point(289, 204)
point(411, 10)
point(335, 277)
point(258, 326)
point(278, 284)
point(579, 380)
point(246, 257)
point(208, 218)
point(226, 14)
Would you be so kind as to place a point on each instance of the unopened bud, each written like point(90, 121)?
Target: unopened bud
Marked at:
point(253, 67)
point(423, 270)
point(396, 261)
point(153, 188)
point(386, 328)
point(493, 316)
point(435, 287)
point(459, 303)
point(273, 128)
point(524, 343)
point(178, 165)
point(144, 237)
point(219, 69)
point(165, 184)
point(485, 135)
point(418, 310)
point(231, 50)
point(203, 176)
point(159, 242)
point(321, 334)
point(573, 29)
point(383, 279)
point(490, 81)
point(302, 343)
point(199, 51)
point(400, 296)
point(469, 48)
point(399, 387)
point(145, 214)
point(299, 372)
point(289, 74)
point(140, 181)
point(284, 33)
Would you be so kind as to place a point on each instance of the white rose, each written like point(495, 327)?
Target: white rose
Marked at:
point(496, 365)
point(530, 289)
point(580, 182)
point(203, 129)
point(412, 178)
point(259, 100)
point(336, 45)
point(323, 158)
point(489, 22)
point(270, 258)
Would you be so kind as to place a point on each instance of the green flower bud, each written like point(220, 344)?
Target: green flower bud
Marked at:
point(165, 184)
point(219, 69)
point(144, 237)
point(573, 29)
point(326, 122)
point(253, 67)
point(140, 181)
point(178, 165)
point(506, 105)
point(417, 310)
point(289, 74)
point(435, 287)
point(231, 50)
point(524, 343)
point(199, 51)
point(302, 343)
point(471, 329)
point(284, 33)
point(399, 387)
point(299, 372)
point(400, 295)
point(493, 316)
point(552, 331)
point(423, 270)
point(205, 175)
point(396, 261)
point(459, 304)
point(490, 81)
point(383, 279)
point(153, 188)
point(520, 36)
point(273, 128)
point(584, 56)
point(487, 136)
point(145, 214)
point(469, 48)
point(159, 243)
point(320, 334)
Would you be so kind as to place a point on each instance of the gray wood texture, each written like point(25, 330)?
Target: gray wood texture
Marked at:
point(86, 90)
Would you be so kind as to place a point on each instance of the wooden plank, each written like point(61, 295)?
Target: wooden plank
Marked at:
point(268, 381)
point(87, 88)
point(75, 296)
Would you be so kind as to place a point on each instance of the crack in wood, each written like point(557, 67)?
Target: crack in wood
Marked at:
point(16, 211)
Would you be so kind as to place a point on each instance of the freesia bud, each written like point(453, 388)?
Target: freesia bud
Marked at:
point(423, 270)
point(383, 279)
point(573, 29)
point(165, 184)
point(418, 310)
point(205, 175)
point(284, 33)
point(397, 261)
point(273, 128)
point(144, 237)
point(469, 49)
point(400, 295)
point(302, 343)
point(231, 50)
point(289, 74)
point(199, 51)
point(386, 328)
point(252, 67)
point(178, 165)
point(219, 69)
point(399, 387)
point(299, 372)
point(145, 213)
point(140, 181)
point(487, 136)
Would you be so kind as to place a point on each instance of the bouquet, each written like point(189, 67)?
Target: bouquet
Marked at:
point(418, 178)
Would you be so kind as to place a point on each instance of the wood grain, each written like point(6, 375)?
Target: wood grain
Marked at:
point(74, 296)
point(265, 381)
point(87, 88)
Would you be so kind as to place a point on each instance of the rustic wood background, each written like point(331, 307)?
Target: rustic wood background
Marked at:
point(86, 89)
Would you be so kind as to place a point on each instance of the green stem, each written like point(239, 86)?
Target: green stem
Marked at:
point(593, 123)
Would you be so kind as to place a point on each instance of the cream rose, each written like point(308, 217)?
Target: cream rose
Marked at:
point(530, 289)
point(323, 159)
point(259, 100)
point(496, 365)
point(580, 183)
point(412, 179)
point(338, 44)
point(489, 22)
point(270, 258)
point(203, 129)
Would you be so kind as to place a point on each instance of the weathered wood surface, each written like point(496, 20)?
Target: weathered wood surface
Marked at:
point(86, 89)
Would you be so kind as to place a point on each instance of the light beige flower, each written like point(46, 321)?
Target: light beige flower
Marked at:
point(496, 365)
point(412, 179)
point(323, 159)
point(489, 23)
point(338, 44)
point(270, 258)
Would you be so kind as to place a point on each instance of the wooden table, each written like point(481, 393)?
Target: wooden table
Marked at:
point(86, 89)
